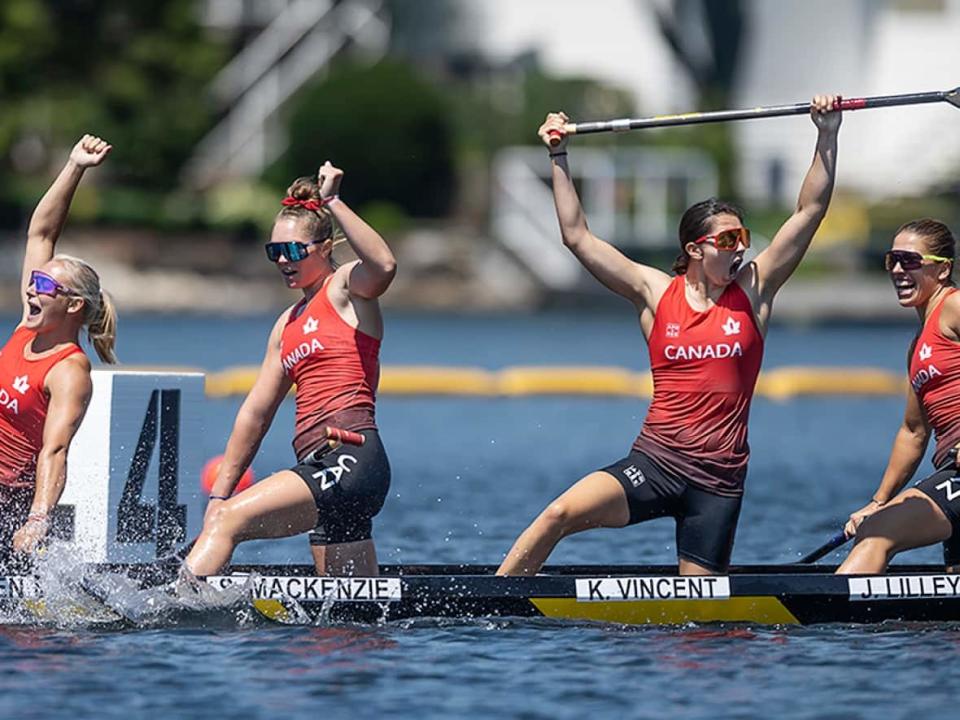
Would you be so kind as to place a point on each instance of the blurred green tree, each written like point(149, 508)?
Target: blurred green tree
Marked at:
point(386, 127)
point(134, 73)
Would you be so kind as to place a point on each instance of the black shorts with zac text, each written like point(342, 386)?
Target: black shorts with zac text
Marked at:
point(706, 523)
point(943, 487)
point(349, 486)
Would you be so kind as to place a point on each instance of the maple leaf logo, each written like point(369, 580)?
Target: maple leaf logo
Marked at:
point(310, 326)
point(20, 384)
point(731, 327)
point(925, 352)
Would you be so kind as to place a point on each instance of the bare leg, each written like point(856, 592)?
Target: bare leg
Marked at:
point(280, 506)
point(598, 500)
point(352, 558)
point(911, 520)
point(689, 567)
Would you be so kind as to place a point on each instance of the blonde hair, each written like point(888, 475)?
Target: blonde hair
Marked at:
point(100, 314)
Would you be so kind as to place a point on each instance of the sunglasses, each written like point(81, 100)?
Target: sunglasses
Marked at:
point(908, 259)
point(292, 251)
point(43, 284)
point(727, 240)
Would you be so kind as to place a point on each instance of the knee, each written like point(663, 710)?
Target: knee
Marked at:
point(870, 537)
point(556, 517)
point(221, 520)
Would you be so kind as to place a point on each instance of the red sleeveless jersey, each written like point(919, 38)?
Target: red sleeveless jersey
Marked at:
point(336, 368)
point(935, 378)
point(23, 407)
point(705, 367)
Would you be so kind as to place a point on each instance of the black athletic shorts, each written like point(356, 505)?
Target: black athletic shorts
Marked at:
point(349, 485)
point(706, 523)
point(943, 487)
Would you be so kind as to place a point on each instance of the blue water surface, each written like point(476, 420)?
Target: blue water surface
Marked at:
point(469, 473)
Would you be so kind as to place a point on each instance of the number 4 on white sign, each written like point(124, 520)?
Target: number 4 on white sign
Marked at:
point(165, 524)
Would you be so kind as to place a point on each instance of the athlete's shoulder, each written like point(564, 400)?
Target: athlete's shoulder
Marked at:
point(71, 374)
point(950, 316)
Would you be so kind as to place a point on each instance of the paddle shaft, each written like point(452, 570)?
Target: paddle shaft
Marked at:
point(830, 545)
point(696, 118)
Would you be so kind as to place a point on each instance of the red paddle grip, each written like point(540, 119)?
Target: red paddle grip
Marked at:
point(347, 437)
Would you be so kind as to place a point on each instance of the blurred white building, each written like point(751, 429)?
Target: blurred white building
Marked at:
point(792, 50)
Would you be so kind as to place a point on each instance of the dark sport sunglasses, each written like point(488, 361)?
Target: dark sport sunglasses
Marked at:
point(909, 260)
point(727, 240)
point(43, 284)
point(292, 251)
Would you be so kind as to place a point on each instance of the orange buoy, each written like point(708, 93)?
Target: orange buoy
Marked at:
point(208, 476)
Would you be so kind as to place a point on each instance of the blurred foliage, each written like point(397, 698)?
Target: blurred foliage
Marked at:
point(386, 127)
point(133, 73)
point(712, 66)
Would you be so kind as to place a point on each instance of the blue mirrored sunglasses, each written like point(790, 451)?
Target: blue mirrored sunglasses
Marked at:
point(43, 284)
point(292, 251)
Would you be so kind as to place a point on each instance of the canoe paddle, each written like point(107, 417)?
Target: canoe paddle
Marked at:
point(696, 118)
point(830, 545)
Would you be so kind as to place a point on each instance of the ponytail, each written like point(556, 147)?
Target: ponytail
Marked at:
point(102, 329)
point(100, 314)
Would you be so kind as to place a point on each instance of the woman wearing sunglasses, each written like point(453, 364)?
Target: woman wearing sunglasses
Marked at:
point(44, 374)
point(327, 344)
point(921, 268)
point(704, 329)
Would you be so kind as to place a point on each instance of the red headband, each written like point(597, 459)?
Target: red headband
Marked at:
point(311, 204)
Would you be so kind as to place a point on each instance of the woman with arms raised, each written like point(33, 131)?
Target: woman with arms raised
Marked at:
point(704, 329)
point(44, 374)
point(920, 264)
point(328, 343)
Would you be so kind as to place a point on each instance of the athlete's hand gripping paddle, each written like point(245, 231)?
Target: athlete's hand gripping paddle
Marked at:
point(696, 118)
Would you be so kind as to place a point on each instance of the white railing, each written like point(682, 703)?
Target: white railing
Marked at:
point(292, 49)
point(632, 198)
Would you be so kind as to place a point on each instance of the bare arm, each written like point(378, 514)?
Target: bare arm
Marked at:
point(48, 218)
point(908, 448)
point(371, 277)
point(70, 387)
point(776, 263)
point(640, 284)
point(255, 415)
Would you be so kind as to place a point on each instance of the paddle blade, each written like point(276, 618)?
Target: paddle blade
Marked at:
point(953, 97)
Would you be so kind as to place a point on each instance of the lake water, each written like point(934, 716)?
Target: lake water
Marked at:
point(469, 473)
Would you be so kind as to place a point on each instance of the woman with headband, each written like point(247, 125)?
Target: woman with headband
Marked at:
point(328, 344)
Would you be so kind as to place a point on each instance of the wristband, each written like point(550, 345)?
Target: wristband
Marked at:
point(327, 201)
point(881, 504)
point(217, 497)
point(557, 154)
point(38, 517)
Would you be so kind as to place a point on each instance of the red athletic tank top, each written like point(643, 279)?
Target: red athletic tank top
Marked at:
point(336, 368)
point(23, 407)
point(935, 377)
point(705, 367)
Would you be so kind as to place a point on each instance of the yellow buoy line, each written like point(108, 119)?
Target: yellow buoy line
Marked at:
point(777, 383)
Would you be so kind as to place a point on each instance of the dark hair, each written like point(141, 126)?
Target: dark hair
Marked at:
point(936, 236)
point(695, 223)
point(317, 223)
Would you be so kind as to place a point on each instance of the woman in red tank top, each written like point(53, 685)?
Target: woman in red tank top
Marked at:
point(44, 375)
point(920, 264)
point(327, 344)
point(704, 330)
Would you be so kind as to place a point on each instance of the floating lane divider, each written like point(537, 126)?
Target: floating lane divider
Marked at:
point(778, 384)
